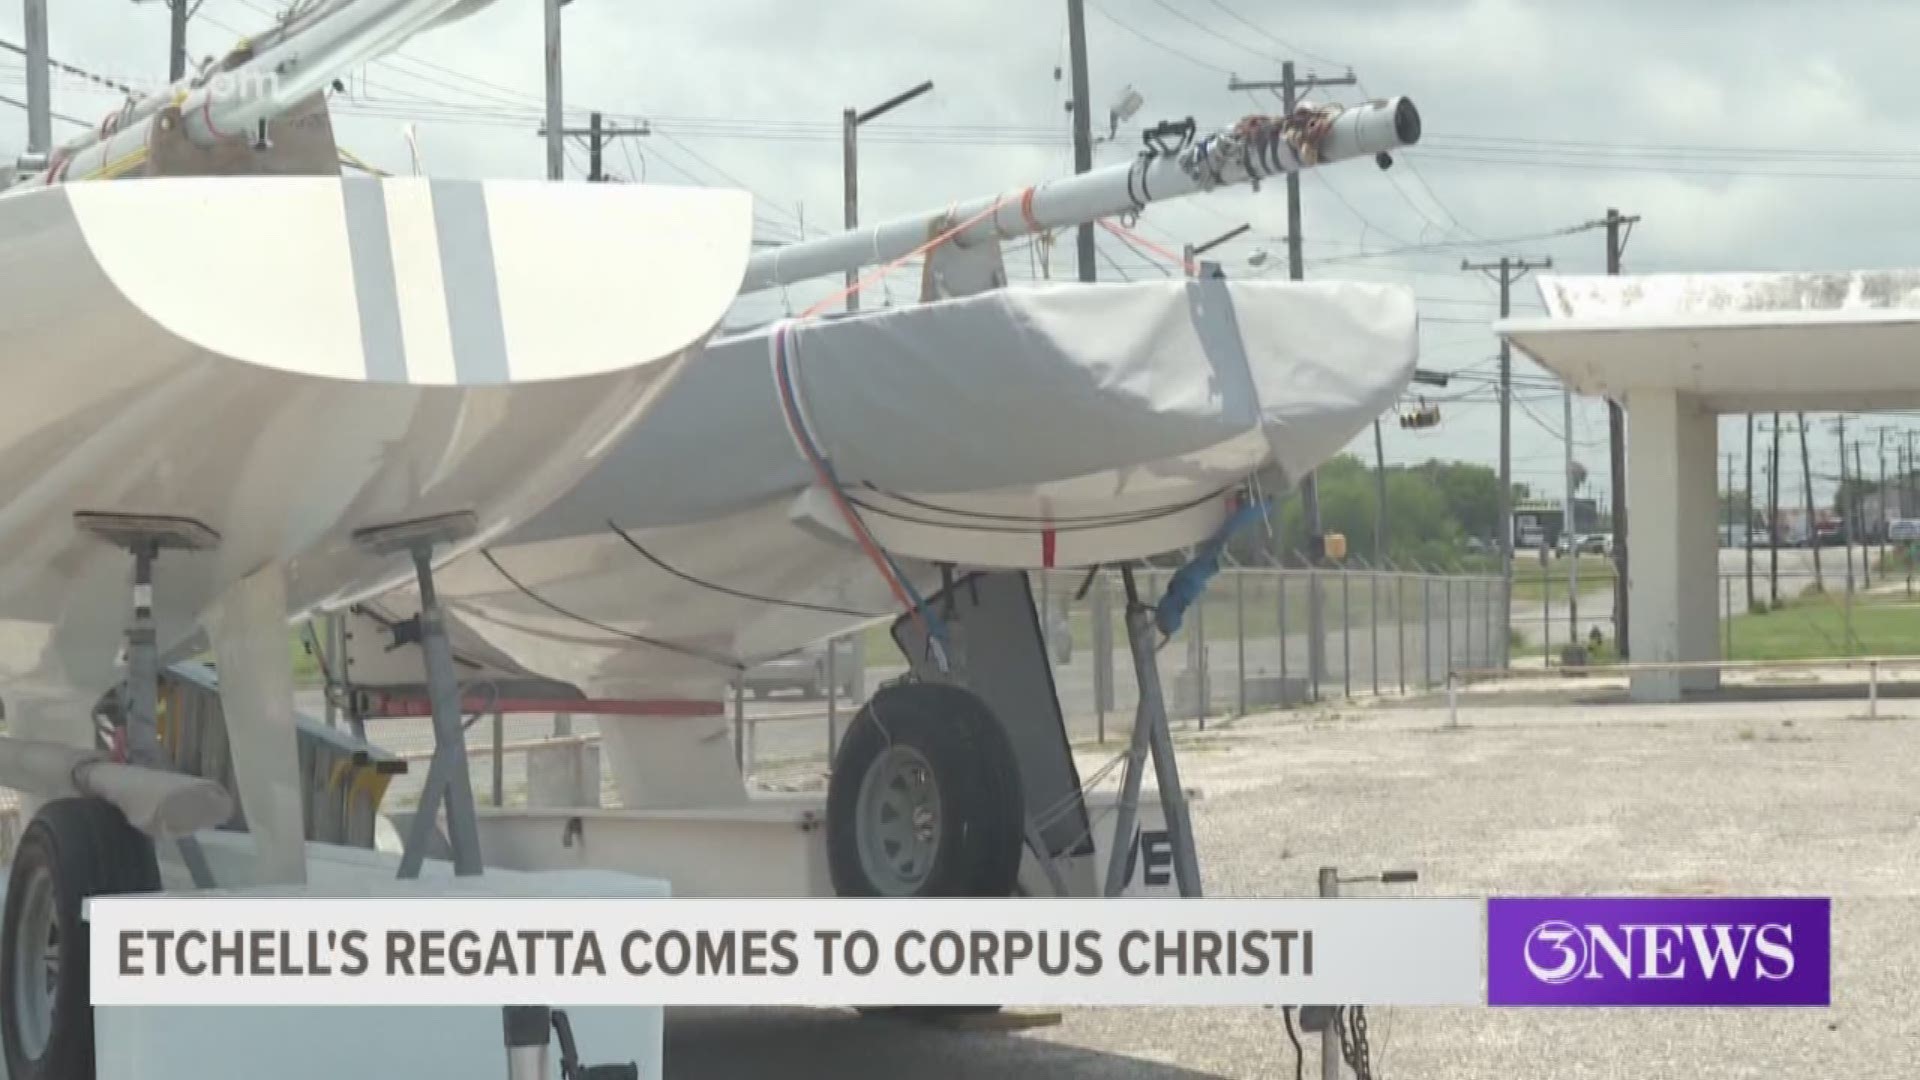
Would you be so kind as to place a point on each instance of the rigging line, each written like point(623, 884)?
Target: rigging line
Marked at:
point(737, 593)
point(1006, 530)
point(666, 646)
point(1123, 517)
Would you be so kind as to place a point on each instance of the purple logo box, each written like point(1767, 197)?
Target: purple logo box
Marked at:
point(1659, 951)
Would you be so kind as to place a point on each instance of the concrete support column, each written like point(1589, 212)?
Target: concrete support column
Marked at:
point(1672, 509)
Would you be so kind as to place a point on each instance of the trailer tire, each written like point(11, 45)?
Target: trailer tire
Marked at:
point(74, 849)
point(925, 798)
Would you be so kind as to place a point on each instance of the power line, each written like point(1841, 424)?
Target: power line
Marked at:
point(1100, 10)
point(1284, 44)
point(1208, 30)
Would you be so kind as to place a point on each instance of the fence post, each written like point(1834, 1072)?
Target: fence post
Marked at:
point(1203, 674)
point(1487, 593)
point(1400, 627)
point(1426, 627)
point(1102, 655)
point(1346, 632)
point(499, 758)
point(1466, 620)
point(1453, 699)
point(1240, 639)
point(1373, 626)
point(1313, 650)
point(740, 725)
point(1280, 582)
point(1727, 587)
point(1449, 618)
point(833, 684)
point(1873, 689)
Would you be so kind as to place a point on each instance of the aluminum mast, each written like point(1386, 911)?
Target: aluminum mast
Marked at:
point(264, 76)
point(1254, 149)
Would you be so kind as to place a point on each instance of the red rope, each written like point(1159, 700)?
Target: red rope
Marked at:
point(1148, 244)
point(883, 271)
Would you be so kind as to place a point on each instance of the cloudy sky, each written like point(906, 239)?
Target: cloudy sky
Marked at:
point(1754, 134)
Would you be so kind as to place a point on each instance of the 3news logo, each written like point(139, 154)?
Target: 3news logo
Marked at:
point(1659, 951)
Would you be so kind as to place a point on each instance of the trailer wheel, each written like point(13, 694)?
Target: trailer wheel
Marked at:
point(74, 849)
point(925, 798)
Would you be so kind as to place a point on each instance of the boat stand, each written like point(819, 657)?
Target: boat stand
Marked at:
point(449, 784)
point(145, 536)
point(1150, 734)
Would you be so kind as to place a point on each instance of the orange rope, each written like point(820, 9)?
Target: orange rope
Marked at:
point(883, 271)
point(1128, 234)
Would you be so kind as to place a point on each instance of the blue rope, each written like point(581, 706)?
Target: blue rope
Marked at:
point(1189, 582)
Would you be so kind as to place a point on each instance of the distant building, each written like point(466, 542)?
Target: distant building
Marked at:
point(1537, 521)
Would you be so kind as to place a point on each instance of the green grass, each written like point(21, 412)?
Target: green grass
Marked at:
point(1532, 582)
point(1815, 627)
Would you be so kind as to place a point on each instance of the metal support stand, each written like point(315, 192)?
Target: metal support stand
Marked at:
point(449, 783)
point(1150, 732)
point(144, 538)
point(1329, 1019)
point(1330, 1034)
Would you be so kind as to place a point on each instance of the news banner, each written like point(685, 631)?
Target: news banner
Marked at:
point(1534, 951)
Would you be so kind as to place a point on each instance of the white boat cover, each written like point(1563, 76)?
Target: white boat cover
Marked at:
point(1052, 425)
point(289, 360)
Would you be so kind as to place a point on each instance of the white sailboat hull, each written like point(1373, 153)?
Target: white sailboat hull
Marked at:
point(1060, 426)
point(287, 361)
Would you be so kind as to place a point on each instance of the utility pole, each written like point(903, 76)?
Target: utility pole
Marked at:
point(1880, 519)
point(1509, 269)
point(181, 11)
point(1082, 119)
point(1750, 596)
point(1569, 526)
point(39, 88)
point(1841, 501)
point(599, 134)
point(1907, 479)
point(1617, 451)
point(1773, 518)
point(1860, 517)
point(1806, 481)
point(1291, 87)
point(850, 121)
point(556, 121)
point(1728, 499)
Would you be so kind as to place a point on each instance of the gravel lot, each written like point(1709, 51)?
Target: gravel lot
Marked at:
point(1739, 797)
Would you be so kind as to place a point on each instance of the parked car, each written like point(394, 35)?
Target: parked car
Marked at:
point(1596, 544)
point(806, 671)
point(1904, 530)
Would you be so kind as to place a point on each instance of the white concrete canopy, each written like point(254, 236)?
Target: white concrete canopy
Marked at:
point(1678, 349)
point(1751, 342)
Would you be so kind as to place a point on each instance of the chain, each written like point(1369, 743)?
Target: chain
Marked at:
point(1352, 1025)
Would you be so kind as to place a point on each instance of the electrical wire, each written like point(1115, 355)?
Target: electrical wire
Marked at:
point(1100, 9)
point(1282, 42)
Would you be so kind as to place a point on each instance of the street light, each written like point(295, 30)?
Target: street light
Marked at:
point(850, 121)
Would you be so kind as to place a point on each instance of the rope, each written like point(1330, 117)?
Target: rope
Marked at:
point(798, 426)
point(880, 273)
point(1127, 234)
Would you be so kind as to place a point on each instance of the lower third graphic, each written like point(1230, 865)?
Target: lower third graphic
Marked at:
point(1664, 951)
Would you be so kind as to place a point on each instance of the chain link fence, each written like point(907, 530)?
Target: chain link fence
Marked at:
point(1247, 645)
